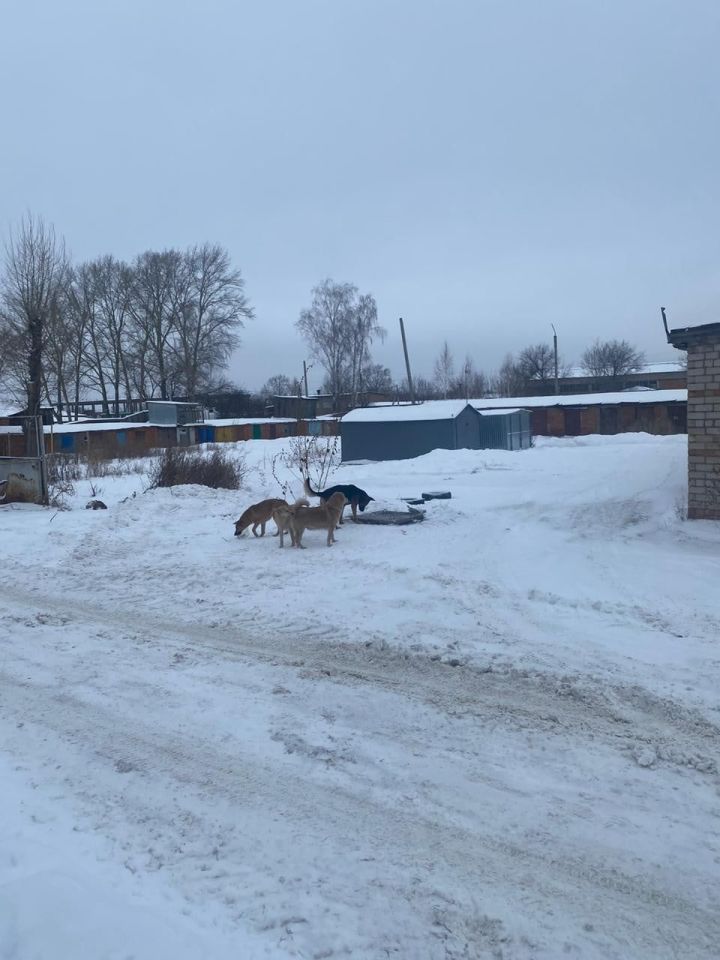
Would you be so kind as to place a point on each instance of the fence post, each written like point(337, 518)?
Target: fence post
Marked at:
point(40, 440)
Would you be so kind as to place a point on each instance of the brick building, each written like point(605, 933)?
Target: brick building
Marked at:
point(703, 417)
point(659, 375)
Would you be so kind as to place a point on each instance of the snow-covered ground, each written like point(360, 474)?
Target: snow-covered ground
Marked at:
point(493, 734)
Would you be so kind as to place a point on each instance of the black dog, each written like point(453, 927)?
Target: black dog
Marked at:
point(354, 495)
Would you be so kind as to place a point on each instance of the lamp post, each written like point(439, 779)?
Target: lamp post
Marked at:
point(557, 383)
point(306, 367)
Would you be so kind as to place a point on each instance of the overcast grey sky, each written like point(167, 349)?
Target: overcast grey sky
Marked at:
point(482, 168)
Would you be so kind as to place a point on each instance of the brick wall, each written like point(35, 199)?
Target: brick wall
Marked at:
point(704, 429)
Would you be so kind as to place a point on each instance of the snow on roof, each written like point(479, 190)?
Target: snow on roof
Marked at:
point(241, 421)
point(13, 430)
point(503, 411)
point(174, 403)
point(84, 427)
point(304, 396)
point(429, 410)
point(448, 409)
point(655, 366)
point(582, 399)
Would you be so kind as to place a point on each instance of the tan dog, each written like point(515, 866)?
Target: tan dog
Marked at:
point(283, 517)
point(326, 517)
point(258, 515)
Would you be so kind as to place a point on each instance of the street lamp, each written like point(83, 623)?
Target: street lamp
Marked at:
point(306, 367)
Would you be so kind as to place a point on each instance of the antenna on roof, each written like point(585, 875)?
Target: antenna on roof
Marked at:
point(664, 318)
point(407, 362)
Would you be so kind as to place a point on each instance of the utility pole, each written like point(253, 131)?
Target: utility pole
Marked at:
point(407, 362)
point(305, 377)
point(557, 382)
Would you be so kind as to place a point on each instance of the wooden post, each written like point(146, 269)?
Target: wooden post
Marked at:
point(305, 377)
point(40, 440)
point(407, 362)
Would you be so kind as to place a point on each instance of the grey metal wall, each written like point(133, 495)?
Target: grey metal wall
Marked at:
point(404, 439)
point(467, 430)
point(395, 439)
point(506, 431)
point(164, 414)
point(23, 479)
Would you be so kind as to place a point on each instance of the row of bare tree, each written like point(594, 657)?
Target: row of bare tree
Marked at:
point(166, 324)
point(163, 325)
point(532, 370)
point(341, 325)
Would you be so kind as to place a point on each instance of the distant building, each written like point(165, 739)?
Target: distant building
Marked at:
point(646, 411)
point(173, 413)
point(322, 404)
point(661, 375)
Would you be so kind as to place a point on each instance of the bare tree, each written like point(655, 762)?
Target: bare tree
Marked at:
point(376, 378)
point(280, 385)
point(444, 371)
point(159, 291)
point(509, 380)
point(66, 351)
point(340, 326)
point(424, 389)
point(363, 328)
point(212, 308)
point(469, 382)
point(7, 352)
point(537, 362)
point(104, 286)
point(36, 267)
point(611, 358)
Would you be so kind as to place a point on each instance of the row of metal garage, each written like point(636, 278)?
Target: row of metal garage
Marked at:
point(383, 431)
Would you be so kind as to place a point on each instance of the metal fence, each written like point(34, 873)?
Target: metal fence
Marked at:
point(24, 479)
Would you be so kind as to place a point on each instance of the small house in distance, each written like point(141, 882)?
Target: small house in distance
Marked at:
point(404, 431)
point(173, 413)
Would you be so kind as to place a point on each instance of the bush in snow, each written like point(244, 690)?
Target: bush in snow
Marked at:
point(177, 466)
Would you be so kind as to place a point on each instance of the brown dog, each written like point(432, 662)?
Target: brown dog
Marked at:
point(326, 517)
point(258, 515)
point(283, 517)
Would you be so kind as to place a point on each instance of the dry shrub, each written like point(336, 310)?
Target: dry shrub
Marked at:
point(308, 458)
point(117, 467)
point(178, 466)
point(62, 473)
point(62, 468)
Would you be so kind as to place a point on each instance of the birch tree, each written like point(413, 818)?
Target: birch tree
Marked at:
point(340, 326)
point(444, 371)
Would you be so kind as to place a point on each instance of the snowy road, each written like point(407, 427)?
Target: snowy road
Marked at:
point(312, 759)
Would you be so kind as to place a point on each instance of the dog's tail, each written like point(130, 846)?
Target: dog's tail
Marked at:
point(302, 502)
point(309, 490)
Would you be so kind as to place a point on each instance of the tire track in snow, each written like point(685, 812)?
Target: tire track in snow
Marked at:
point(621, 715)
point(210, 782)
